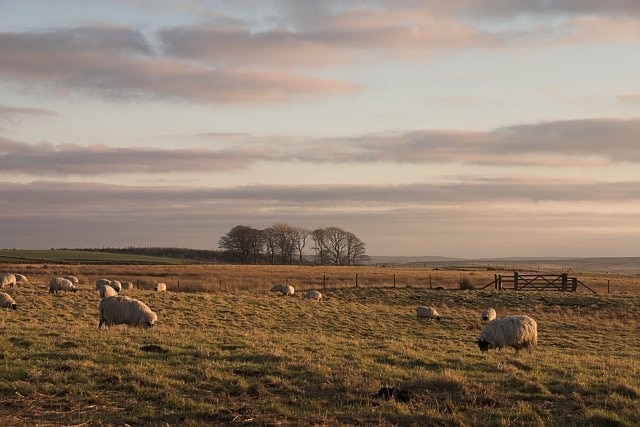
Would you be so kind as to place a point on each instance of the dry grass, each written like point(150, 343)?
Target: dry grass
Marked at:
point(239, 355)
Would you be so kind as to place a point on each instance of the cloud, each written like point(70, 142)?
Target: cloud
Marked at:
point(8, 113)
point(632, 98)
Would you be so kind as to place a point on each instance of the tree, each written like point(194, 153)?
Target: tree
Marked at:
point(284, 236)
point(240, 242)
point(300, 236)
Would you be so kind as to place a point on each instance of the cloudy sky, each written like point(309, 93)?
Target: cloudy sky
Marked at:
point(471, 128)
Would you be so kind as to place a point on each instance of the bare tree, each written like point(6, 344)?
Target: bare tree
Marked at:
point(319, 245)
point(240, 242)
point(284, 236)
point(300, 237)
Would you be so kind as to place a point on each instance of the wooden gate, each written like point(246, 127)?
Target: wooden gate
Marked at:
point(536, 282)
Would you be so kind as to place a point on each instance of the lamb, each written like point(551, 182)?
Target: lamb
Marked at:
point(101, 282)
point(314, 295)
point(61, 284)
point(72, 279)
point(6, 301)
point(107, 291)
point(116, 285)
point(121, 310)
point(7, 280)
point(127, 285)
point(430, 313)
point(288, 290)
point(512, 331)
point(20, 278)
point(160, 287)
point(489, 314)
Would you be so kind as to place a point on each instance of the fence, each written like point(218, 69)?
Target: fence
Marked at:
point(536, 282)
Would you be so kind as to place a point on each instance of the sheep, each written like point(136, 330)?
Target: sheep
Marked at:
point(279, 288)
point(107, 291)
point(122, 310)
point(489, 314)
point(6, 301)
point(101, 282)
point(288, 290)
point(73, 279)
point(314, 295)
point(430, 313)
point(127, 285)
point(512, 331)
point(20, 278)
point(116, 285)
point(160, 287)
point(7, 280)
point(61, 284)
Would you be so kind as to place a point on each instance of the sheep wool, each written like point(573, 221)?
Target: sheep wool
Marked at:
point(489, 314)
point(314, 295)
point(6, 301)
point(279, 288)
point(73, 279)
point(21, 278)
point(61, 284)
point(107, 291)
point(127, 285)
point(121, 310)
point(7, 280)
point(517, 332)
point(116, 285)
point(288, 290)
point(430, 313)
point(160, 287)
point(101, 282)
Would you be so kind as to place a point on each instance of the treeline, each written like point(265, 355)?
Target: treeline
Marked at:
point(285, 244)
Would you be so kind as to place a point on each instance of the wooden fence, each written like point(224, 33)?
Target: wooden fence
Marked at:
point(536, 282)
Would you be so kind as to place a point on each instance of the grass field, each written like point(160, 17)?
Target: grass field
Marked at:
point(75, 257)
point(239, 355)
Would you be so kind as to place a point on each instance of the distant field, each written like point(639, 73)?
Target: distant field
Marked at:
point(238, 355)
point(78, 257)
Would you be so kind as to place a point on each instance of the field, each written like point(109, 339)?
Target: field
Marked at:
point(236, 354)
point(68, 256)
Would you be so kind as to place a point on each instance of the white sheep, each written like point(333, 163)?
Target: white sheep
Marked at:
point(160, 287)
point(127, 285)
point(7, 280)
point(73, 279)
point(121, 310)
point(512, 331)
point(61, 284)
point(21, 278)
point(107, 291)
point(314, 295)
point(288, 290)
point(116, 285)
point(101, 282)
point(6, 301)
point(489, 314)
point(430, 313)
point(279, 288)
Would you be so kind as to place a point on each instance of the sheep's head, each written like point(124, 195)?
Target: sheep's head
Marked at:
point(14, 306)
point(484, 345)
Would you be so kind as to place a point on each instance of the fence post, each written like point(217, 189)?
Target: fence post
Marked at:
point(178, 286)
point(515, 280)
point(574, 284)
point(609, 286)
point(430, 286)
point(564, 281)
point(394, 280)
point(324, 281)
point(356, 280)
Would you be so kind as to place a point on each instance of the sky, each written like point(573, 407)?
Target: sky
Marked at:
point(472, 129)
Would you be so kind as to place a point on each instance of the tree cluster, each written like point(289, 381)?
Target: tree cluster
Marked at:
point(285, 244)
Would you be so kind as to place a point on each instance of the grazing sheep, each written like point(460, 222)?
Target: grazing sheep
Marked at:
point(121, 310)
point(279, 288)
point(314, 295)
point(20, 278)
point(127, 285)
point(6, 301)
point(512, 331)
point(107, 291)
point(61, 284)
point(489, 314)
point(73, 279)
point(116, 285)
point(160, 287)
point(430, 313)
point(101, 282)
point(7, 280)
point(288, 290)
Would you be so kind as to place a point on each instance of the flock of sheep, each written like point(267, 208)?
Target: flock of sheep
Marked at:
point(517, 331)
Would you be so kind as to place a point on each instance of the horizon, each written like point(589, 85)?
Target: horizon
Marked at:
point(474, 129)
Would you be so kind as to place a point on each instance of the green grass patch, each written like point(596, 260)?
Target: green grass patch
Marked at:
point(67, 256)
